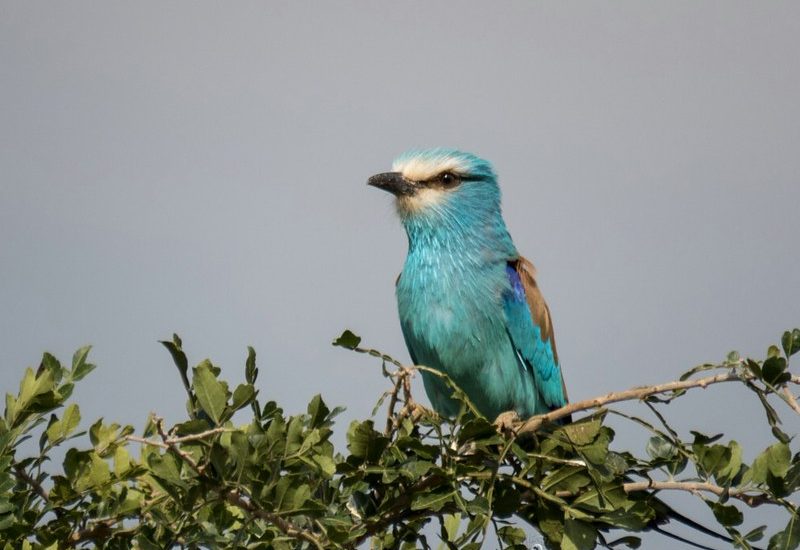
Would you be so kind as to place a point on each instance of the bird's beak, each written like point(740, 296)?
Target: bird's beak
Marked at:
point(393, 182)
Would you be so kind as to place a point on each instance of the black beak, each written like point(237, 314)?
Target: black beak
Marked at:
point(393, 182)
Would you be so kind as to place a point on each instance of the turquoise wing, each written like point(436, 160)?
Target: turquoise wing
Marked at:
point(531, 331)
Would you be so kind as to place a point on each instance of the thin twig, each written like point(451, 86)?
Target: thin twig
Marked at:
point(394, 395)
point(791, 400)
point(380, 355)
point(177, 440)
point(402, 377)
point(35, 485)
point(173, 446)
point(533, 423)
point(695, 487)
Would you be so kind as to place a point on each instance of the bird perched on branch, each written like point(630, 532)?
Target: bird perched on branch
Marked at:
point(469, 303)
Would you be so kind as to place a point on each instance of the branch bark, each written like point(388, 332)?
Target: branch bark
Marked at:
point(535, 422)
point(695, 487)
point(177, 440)
point(35, 485)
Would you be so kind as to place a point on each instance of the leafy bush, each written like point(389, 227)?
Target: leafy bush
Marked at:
point(277, 481)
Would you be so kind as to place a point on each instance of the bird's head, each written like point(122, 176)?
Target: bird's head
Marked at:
point(437, 186)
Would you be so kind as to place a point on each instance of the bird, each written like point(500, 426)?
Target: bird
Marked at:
point(469, 304)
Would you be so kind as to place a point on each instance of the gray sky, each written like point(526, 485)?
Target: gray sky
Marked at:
point(200, 168)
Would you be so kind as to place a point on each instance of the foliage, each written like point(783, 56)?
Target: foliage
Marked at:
point(276, 481)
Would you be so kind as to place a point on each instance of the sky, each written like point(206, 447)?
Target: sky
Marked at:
point(200, 168)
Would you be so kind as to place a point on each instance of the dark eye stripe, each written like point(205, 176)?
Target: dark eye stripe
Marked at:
point(460, 178)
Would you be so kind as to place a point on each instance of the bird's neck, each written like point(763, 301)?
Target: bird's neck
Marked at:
point(456, 243)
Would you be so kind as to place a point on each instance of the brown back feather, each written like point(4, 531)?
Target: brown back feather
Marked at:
point(537, 305)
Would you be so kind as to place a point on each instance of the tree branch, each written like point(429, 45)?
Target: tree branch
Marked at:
point(791, 399)
point(177, 440)
point(35, 485)
point(695, 487)
point(535, 422)
point(172, 445)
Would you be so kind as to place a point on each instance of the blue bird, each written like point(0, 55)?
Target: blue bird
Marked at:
point(468, 302)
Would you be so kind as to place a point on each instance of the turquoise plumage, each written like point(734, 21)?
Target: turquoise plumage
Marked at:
point(468, 302)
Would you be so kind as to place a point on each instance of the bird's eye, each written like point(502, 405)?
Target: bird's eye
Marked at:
point(449, 180)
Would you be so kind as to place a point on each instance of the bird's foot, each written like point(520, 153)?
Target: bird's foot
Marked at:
point(417, 412)
point(506, 422)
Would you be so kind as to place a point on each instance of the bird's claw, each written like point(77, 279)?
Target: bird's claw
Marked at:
point(506, 422)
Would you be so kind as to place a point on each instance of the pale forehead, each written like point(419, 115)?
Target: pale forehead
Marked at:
point(421, 168)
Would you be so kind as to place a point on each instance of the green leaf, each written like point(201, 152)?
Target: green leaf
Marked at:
point(122, 461)
point(347, 340)
point(415, 469)
point(597, 451)
point(702, 439)
point(772, 370)
point(105, 436)
point(99, 472)
point(734, 459)
point(33, 385)
point(578, 535)
point(166, 467)
point(178, 356)
point(432, 501)
point(211, 393)
point(789, 538)
point(511, 535)
point(583, 432)
point(699, 368)
point(451, 525)
point(566, 478)
point(364, 442)
point(190, 427)
point(732, 357)
point(317, 411)
point(712, 459)
point(774, 460)
point(660, 447)
point(780, 435)
point(779, 456)
point(50, 363)
point(250, 370)
point(242, 396)
point(755, 368)
point(326, 464)
point(294, 434)
point(62, 428)
point(80, 368)
point(727, 514)
point(755, 534)
point(506, 500)
point(791, 342)
point(478, 429)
